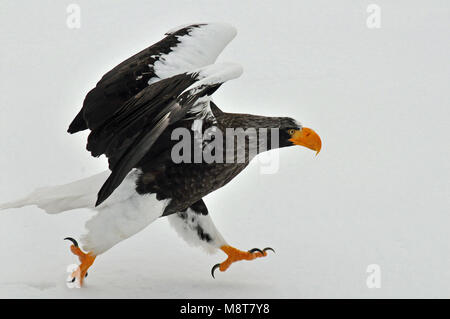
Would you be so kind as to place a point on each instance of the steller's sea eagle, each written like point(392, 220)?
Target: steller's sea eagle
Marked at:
point(132, 115)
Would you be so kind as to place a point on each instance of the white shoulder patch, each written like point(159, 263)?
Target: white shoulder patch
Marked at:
point(209, 76)
point(215, 74)
point(201, 110)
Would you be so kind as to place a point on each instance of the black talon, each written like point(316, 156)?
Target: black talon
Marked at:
point(214, 269)
point(256, 249)
point(268, 248)
point(85, 275)
point(73, 279)
point(74, 242)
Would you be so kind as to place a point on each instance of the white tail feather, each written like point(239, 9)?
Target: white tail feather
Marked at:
point(57, 199)
point(122, 215)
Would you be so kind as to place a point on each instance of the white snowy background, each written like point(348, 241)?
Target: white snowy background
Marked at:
point(378, 193)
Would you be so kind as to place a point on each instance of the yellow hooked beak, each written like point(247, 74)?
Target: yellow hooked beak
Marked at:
point(308, 138)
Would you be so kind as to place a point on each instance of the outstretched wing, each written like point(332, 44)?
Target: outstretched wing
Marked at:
point(134, 128)
point(184, 49)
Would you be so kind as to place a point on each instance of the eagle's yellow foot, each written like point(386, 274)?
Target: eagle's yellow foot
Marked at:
point(236, 255)
point(86, 261)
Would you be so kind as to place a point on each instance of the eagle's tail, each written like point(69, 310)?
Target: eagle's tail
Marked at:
point(122, 215)
point(57, 199)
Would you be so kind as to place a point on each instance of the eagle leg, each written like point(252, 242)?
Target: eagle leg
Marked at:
point(86, 261)
point(235, 254)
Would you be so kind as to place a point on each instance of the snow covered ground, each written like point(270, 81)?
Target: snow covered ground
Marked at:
point(378, 193)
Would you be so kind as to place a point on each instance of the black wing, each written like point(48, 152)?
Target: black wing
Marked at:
point(182, 50)
point(132, 131)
